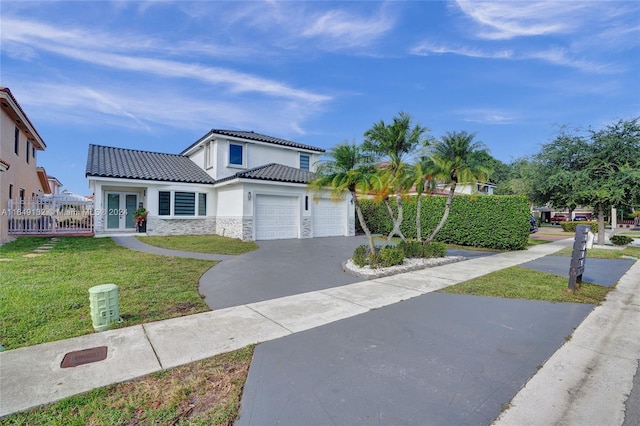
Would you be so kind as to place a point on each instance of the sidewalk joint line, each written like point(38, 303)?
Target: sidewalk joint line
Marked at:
point(269, 319)
point(155, 353)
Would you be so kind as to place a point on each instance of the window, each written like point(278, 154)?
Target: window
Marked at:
point(304, 162)
point(207, 155)
point(236, 155)
point(27, 152)
point(33, 152)
point(16, 141)
point(184, 204)
point(202, 204)
point(164, 203)
point(10, 191)
point(21, 194)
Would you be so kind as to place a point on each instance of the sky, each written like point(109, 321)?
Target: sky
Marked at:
point(158, 75)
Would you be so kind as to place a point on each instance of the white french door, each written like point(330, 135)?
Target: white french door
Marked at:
point(120, 208)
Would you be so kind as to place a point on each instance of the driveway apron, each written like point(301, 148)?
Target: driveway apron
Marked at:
point(437, 359)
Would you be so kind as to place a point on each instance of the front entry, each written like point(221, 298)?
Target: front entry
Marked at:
point(120, 209)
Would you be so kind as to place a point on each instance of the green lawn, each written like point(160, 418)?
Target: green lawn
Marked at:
point(201, 243)
point(46, 298)
point(203, 393)
point(522, 283)
point(604, 253)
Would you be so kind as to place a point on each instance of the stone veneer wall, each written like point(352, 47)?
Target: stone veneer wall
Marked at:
point(307, 227)
point(166, 226)
point(231, 227)
point(98, 224)
point(352, 226)
point(247, 229)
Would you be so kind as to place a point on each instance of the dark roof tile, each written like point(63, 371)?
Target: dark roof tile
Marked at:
point(105, 161)
point(256, 137)
point(273, 172)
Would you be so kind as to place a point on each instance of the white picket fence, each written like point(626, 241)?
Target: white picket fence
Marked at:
point(50, 216)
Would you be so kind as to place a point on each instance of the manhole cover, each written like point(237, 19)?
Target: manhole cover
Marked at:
point(85, 356)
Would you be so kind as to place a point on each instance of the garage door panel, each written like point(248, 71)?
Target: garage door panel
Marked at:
point(328, 218)
point(276, 217)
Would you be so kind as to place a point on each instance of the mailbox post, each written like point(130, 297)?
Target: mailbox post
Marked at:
point(578, 256)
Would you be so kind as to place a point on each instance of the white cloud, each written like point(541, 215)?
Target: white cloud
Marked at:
point(427, 48)
point(487, 116)
point(151, 108)
point(506, 20)
point(98, 49)
point(345, 29)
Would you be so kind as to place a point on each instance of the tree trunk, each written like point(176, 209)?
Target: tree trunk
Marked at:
point(447, 207)
point(418, 218)
point(600, 223)
point(365, 228)
point(396, 220)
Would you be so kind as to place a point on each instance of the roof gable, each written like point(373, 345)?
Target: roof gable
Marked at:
point(105, 161)
point(253, 136)
point(275, 173)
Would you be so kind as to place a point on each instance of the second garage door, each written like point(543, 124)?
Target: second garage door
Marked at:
point(328, 218)
point(276, 217)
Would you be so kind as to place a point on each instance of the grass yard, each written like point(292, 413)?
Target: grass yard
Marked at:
point(522, 283)
point(600, 253)
point(201, 243)
point(46, 298)
point(203, 393)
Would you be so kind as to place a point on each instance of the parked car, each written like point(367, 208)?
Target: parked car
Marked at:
point(559, 217)
point(580, 218)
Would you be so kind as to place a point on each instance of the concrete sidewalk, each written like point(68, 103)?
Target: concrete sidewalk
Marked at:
point(32, 376)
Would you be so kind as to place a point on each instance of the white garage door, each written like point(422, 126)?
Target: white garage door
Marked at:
point(328, 218)
point(276, 217)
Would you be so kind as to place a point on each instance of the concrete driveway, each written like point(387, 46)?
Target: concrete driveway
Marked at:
point(286, 267)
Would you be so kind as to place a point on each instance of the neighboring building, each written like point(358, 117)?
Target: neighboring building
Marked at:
point(234, 183)
point(54, 184)
point(21, 178)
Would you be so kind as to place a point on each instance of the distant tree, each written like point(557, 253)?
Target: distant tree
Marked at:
point(555, 170)
point(458, 160)
point(602, 170)
point(392, 143)
point(518, 180)
point(347, 168)
point(611, 176)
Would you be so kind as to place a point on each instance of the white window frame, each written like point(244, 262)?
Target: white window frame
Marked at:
point(301, 154)
point(244, 155)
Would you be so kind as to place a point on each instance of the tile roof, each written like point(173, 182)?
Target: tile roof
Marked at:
point(33, 138)
point(105, 161)
point(256, 137)
point(273, 172)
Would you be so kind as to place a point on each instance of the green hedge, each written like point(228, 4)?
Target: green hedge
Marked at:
point(571, 226)
point(498, 221)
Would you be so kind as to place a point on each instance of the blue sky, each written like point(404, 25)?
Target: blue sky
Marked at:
point(157, 75)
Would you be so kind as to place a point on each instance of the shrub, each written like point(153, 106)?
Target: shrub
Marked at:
point(360, 255)
point(391, 256)
point(411, 249)
point(571, 226)
point(620, 240)
point(435, 249)
point(497, 221)
point(375, 259)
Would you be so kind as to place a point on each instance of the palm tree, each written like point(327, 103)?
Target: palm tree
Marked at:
point(393, 142)
point(457, 158)
point(347, 168)
point(422, 176)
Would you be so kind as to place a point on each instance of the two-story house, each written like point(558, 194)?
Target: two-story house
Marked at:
point(238, 184)
point(20, 177)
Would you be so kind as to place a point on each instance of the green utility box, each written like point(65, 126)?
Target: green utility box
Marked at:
point(104, 306)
